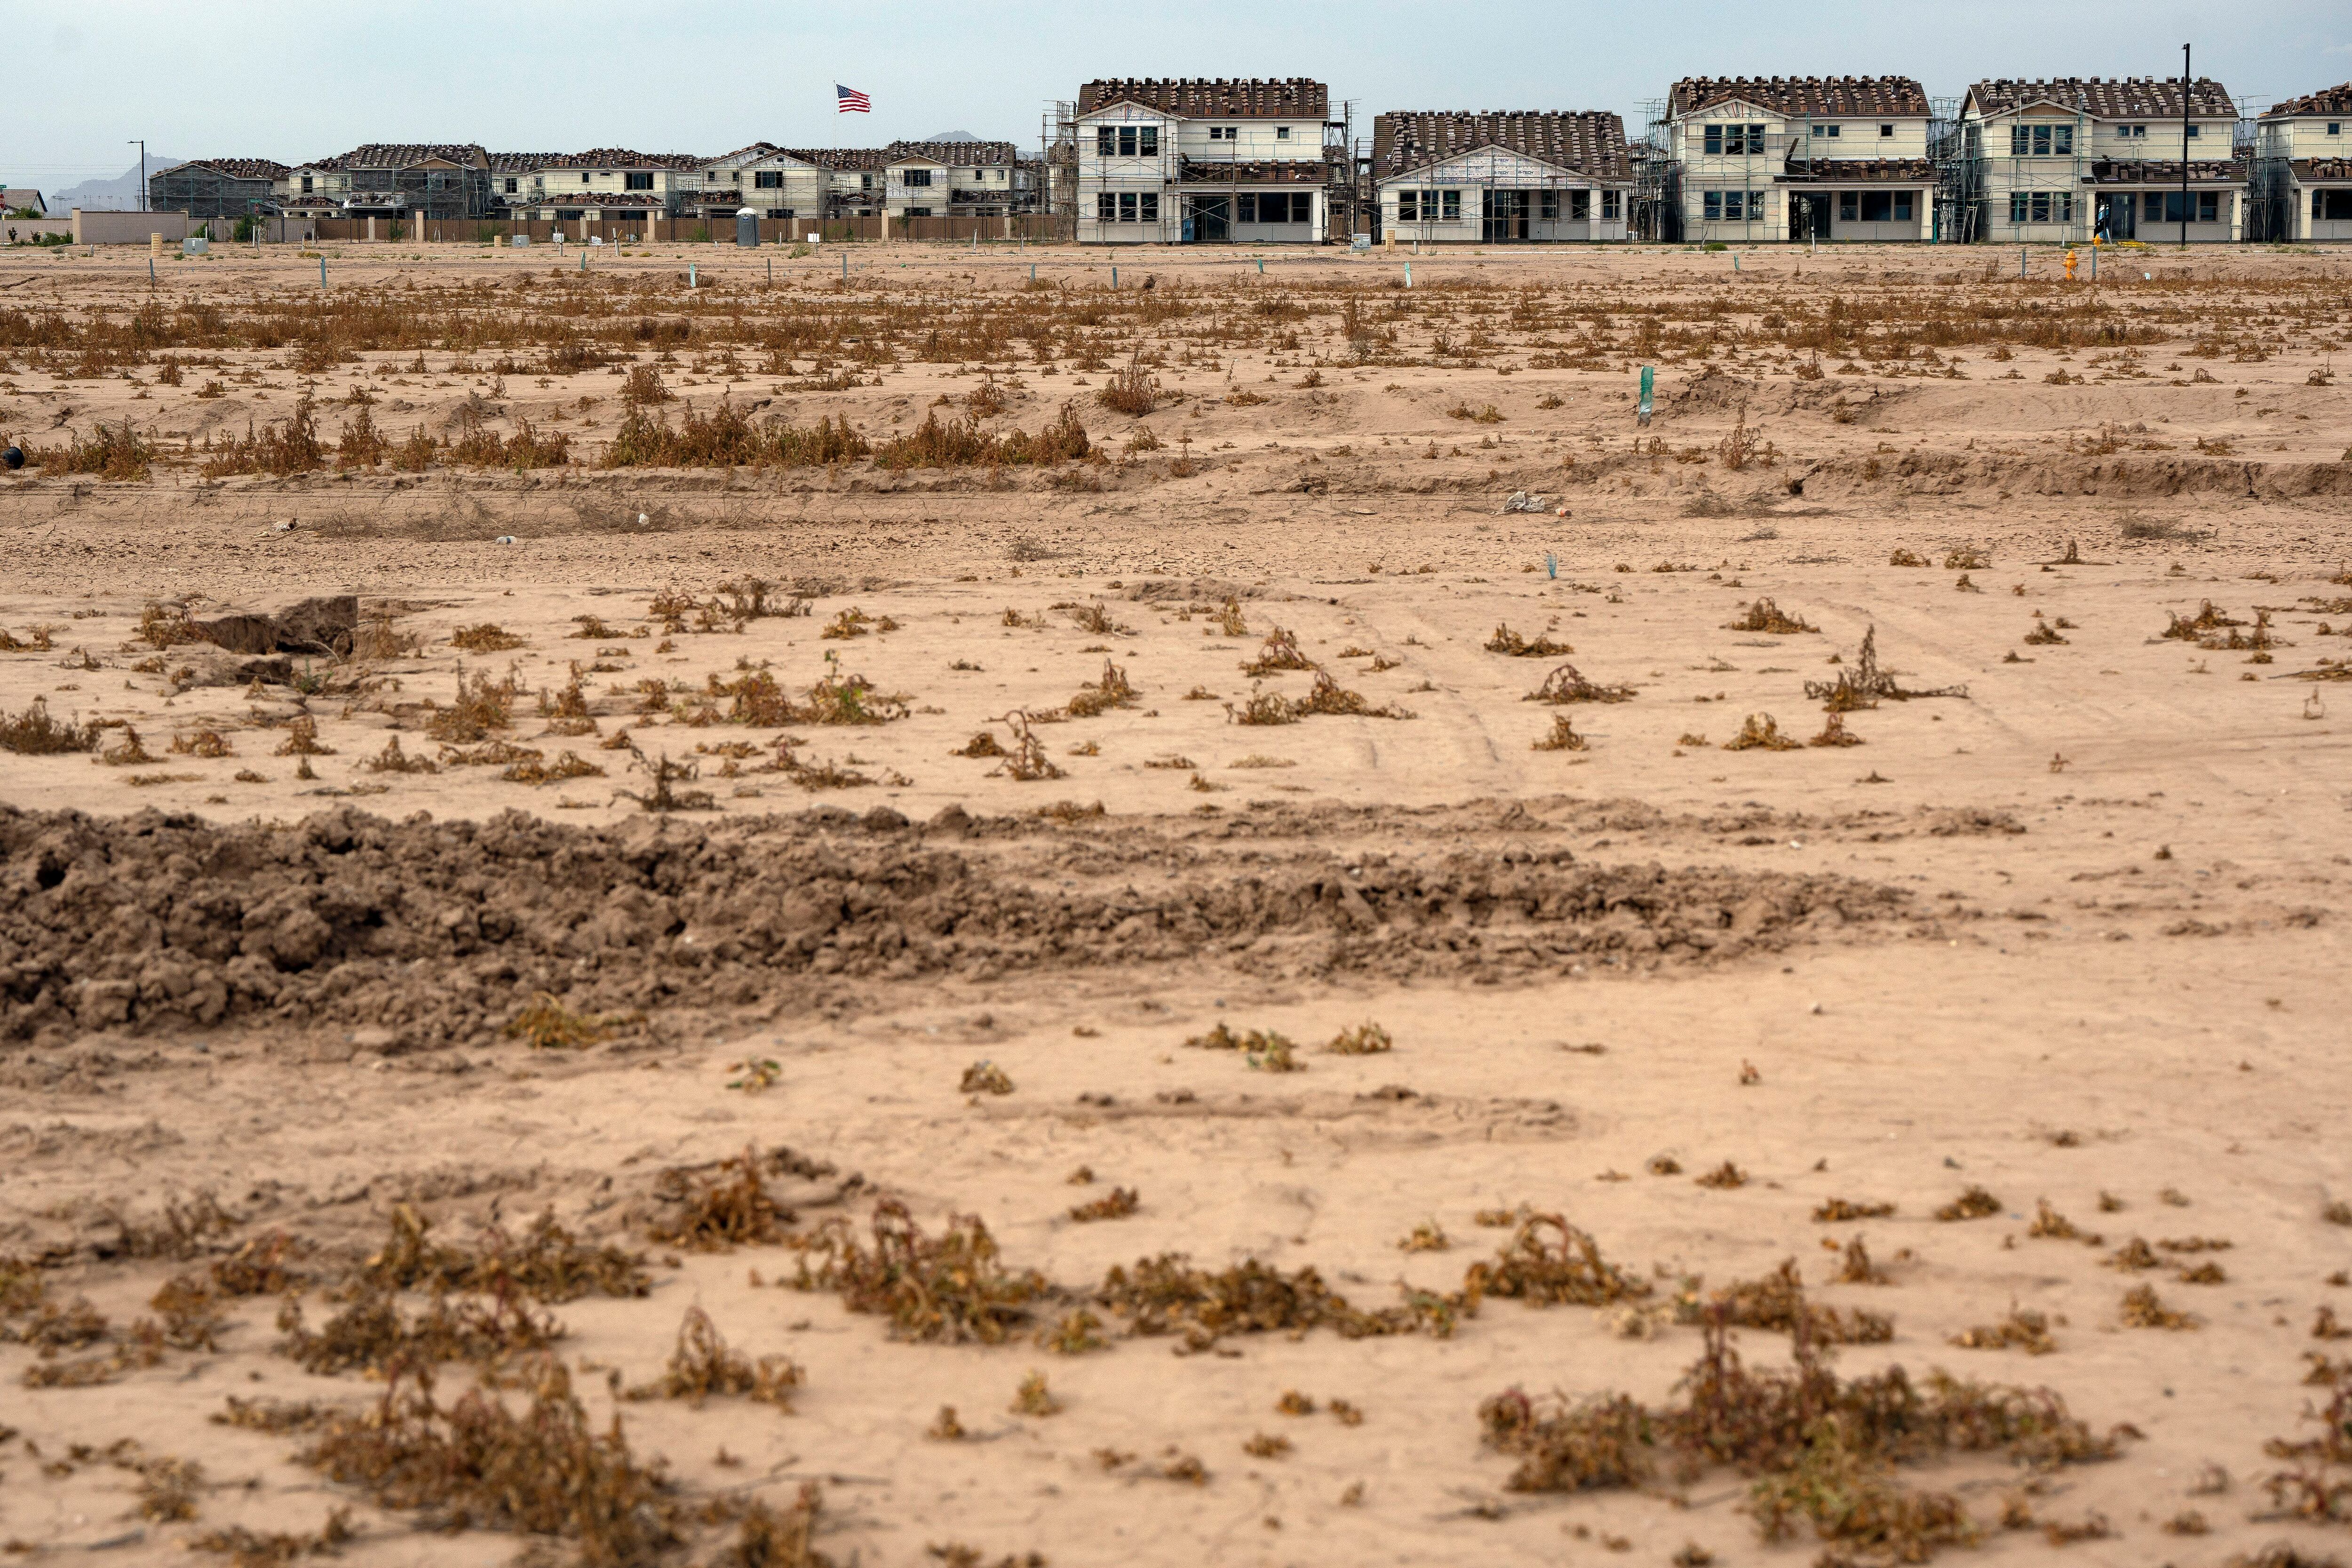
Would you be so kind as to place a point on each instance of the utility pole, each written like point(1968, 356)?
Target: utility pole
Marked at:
point(2188, 87)
point(142, 145)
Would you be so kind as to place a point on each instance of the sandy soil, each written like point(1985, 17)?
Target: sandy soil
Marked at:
point(2069, 936)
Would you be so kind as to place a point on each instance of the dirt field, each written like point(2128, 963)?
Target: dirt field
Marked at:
point(960, 1017)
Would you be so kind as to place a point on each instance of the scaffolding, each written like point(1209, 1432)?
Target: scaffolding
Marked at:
point(1657, 213)
point(1167, 174)
point(1954, 152)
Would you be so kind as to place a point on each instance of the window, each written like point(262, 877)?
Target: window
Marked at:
point(306, 184)
point(1106, 141)
point(1609, 207)
point(768, 179)
point(1225, 132)
point(919, 212)
point(1849, 206)
point(2190, 130)
point(1127, 206)
point(2042, 207)
point(865, 182)
point(2183, 207)
point(1547, 207)
point(1886, 131)
point(1579, 207)
point(1409, 207)
point(781, 213)
point(510, 185)
point(915, 176)
point(2335, 128)
point(1733, 206)
point(1246, 207)
point(1282, 133)
point(2331, 205)
point(583, 176)
point(1735, 141)
point(2042, 141)
point(2128, 131)
point(1877, 206)
point(1106, 208)
point(1903, 206)
point(1127, 140)
point(1150, 204)
point(1147, 141)
point(1452, 205)
point(639, 181)
point(1826, 130)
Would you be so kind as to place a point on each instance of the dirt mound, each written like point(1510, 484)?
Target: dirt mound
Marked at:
point(2123, 477)
point(440, 932)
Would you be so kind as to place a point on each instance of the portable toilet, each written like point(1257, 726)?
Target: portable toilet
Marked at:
point(747, 228)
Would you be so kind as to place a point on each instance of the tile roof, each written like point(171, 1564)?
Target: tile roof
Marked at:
point(1590, 142)
point(2105, 98)
point(1796, 96)
point(234, 168)
point(840, 158)
point(1847, 171)
point(402, 156)
point(625, 158)
point(1203, 98)
point(969, 155)
point(1261, 172)
point(521, 162)
point(2323, 169)
point(585, 199)
point(2158, 172)
point(746, 154)
point(2327, 101)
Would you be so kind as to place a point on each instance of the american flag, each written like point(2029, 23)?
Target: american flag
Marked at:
point(849, 101)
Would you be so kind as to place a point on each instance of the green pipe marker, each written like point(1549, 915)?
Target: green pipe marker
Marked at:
point(1649, 385)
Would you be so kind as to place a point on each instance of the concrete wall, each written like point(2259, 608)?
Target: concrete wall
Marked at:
point(127, 229)
point(23, 230)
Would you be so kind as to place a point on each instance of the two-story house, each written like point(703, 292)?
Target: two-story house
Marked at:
point(2076, 158)
point(611, 186)
point(217, 187)
point(950, 179)
point(855, 180)
point(1759, 159)
point(394, 181)
point(1200, 161)
point(1464, 178)
point(716, 187)
point(2303, 150)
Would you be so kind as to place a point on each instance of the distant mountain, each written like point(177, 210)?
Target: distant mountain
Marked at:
point(952, 136)
point(120, 195)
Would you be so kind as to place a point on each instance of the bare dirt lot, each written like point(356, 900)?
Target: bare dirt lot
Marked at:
point(1765, 987)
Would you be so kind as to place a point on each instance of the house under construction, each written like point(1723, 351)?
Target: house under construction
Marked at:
point(2076, 158)
point(1446, 177)
point(1153, 160)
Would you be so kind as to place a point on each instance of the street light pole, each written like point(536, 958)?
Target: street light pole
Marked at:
point(2188, 87)
point(142, 145)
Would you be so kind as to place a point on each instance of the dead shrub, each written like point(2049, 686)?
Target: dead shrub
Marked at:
point(1761, 732)
point(33, 734)
point(1510, 643)
point(702, 1365)
point(949, 1287)
point(1764, 615)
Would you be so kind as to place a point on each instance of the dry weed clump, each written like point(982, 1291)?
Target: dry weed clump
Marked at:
point(486, 637)
point(1561, 738)
point(252, 1549)
point(1167, 1296)
point(1112, 690)
point(372, 1335)
point(1118, 1203)
point(1974, 1204)
point(1361, 1040)
point(1026, 761)
point(1777, 1302)
point(546, 1263)
point(548, 1025)
point(1279, 652)
point(1510, 643)
point(949, 1287)
point(475, 1463)
point(2023, 1328)
point(702, 1365)
point(985, 1078)
point(1035, 1399)
point(1549, 1262)
point(1819, 1450)
point(1864, 684)
point(1565, 685)
point(33, 734)
point(1760, 732)
point(1834, 734)
point(1325, 696)
point(478, 706)
point(1839, 1211)
point(1764, 615)
point(730, 1206)
point(666, 795)
point(2142, 1309)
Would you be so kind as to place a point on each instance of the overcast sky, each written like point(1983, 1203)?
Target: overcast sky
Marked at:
point(265, 78)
